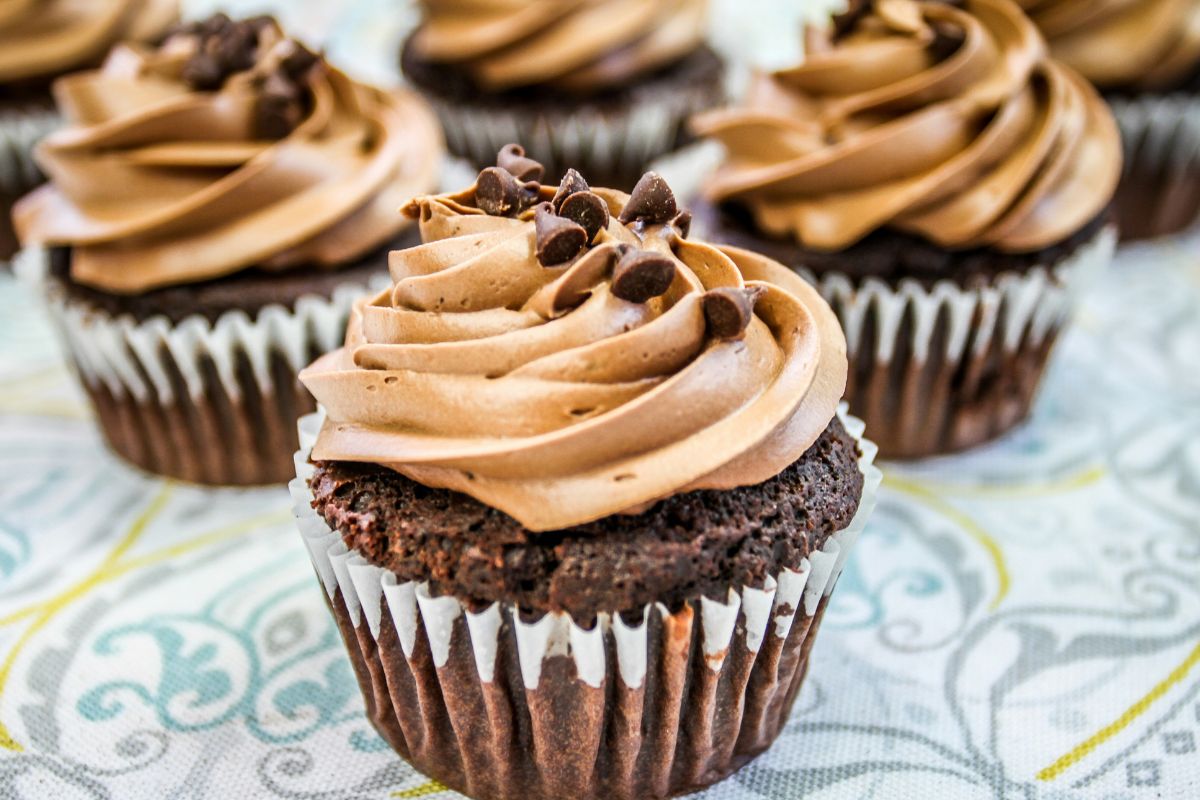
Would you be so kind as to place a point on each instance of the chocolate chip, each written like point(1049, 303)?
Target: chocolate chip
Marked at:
point(202, 73)
point(642, 274)
point(497, 192)
point(652, 200)
point(279, 109)
point(558, 238)
point(683, 223)
point(215, 24)
point(588, 210)
point(512, 158)
point(728, 310)
point(235, 47)
point(572, 183)
point(299, 61)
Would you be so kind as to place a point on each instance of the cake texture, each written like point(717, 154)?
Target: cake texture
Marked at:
point(215, 205)
point(579, 491)
point(603, 87)
point(1145, 57)
point(948, 200)
point(38, 43)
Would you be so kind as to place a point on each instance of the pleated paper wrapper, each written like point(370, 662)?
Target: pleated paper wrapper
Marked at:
point(503, 708)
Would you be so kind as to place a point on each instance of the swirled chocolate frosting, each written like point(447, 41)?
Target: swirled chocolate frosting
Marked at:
point(946, 121)
point(229, 147)
point(40, 39)
point(1123, 44)
point(565, 356)
point(577, 45)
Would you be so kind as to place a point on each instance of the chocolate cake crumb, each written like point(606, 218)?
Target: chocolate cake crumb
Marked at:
point(690, 545)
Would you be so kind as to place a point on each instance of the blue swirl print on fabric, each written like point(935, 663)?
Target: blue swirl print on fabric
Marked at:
point(15, 550)
point(197, 689)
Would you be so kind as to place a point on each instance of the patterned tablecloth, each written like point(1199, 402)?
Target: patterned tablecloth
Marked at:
point(1022, 622)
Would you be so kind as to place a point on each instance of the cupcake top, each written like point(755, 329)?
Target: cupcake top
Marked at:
point(946, 121)
point(1123, 44)
point(229, 147)
point(40, 39)
point(576, 45)
point(566, 355)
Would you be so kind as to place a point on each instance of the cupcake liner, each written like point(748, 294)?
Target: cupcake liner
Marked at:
point(207, 402)
point(20, 131)
point(610, 145)
point(1160, 190)
point(502, 708)
point(938, 369)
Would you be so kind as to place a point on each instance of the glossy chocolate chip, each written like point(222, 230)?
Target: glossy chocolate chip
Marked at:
point(279, 109)
point(588, 210)
point(203, 73)
point(572, 183)
point(497, 192)
point(512, 158)
point(558, 238)
point(728, 310)
point(683, 223)
point(641, 275)
point(652, 200)
point(299, 61)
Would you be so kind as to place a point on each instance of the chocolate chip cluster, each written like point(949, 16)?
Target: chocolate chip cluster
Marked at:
point(566, 225)
point(225, 47)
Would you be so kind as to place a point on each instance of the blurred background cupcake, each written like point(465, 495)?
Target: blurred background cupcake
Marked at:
point(214, 207)
point(582, 494)
point(947, 184)
point(1144, 55)
point(40, 41)
point(605, 87)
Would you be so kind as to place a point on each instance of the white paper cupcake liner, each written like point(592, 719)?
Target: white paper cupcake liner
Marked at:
point(941, 368)
point(204, 401)
point(498, 707)
point(20, 131)
point(1160, 193)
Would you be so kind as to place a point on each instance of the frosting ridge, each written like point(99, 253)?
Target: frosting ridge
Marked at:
point(947, 122)
point(229, 147)
point(1123, 44)
point(577, 45)
point(540, 391)
point(44, 38)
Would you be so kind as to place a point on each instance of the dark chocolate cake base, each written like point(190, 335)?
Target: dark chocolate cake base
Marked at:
point(692, 545)
point(931, 371)
point(206, 408)
point(609, 137)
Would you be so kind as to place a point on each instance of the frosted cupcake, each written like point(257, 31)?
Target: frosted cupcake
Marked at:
point(214, 208)
point(947, 184)
point(605, 87)
point(581, 494)
point(1145, 56)
point(39, 41)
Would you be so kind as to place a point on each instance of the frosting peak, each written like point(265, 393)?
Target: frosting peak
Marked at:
point(947, 121)
point(578, 45)
point(563, 391)
point(229, 147)
point(40, 39)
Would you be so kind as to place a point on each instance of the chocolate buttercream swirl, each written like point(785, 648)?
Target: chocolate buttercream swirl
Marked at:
point(1123, 44)
point(577, 45)
point(541, 392)
point(229, 147)
point(949, 122)
point(40, 39)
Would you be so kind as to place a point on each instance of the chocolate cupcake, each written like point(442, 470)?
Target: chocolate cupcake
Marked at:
point(604, 87)
point(1145, 57)
point(38, 43)
point(947, 185)
point(580, 493)
point(215, 206)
